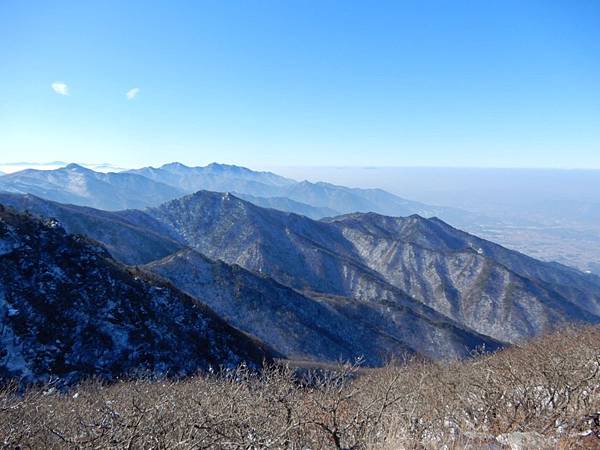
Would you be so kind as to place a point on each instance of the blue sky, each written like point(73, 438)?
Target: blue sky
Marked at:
point(267, 83)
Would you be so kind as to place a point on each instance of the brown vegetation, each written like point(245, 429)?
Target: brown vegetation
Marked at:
point(546, 393)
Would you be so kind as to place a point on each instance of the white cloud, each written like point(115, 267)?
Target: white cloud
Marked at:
point(132, 93)
point(60, 88)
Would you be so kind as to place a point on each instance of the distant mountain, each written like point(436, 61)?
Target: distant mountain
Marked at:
point(68, 310)
point(53, 165)
point(315, 200)
point(553, 227)
point(551, 214)
point(151, 186)
point(80, 186)
point(346, 200)
point(389, 262)
point(215, 177)
point(285, 204)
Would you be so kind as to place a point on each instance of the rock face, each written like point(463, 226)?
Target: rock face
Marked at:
point(396, 262)
point(526, 441)
point(67, 309)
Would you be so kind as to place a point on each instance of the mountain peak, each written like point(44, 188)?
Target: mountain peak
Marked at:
point(417, 218)
point(174, 165)
point(202, 196)
point(75, 166)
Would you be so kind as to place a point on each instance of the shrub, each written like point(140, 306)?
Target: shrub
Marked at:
point(546, 391)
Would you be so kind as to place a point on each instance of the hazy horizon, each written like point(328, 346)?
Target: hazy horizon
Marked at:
point(14, 166)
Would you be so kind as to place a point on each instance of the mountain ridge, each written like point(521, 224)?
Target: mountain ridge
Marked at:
point(131, 236)
point(120, 190)
point(68, 310)
point(82, 186)
point(336, 257)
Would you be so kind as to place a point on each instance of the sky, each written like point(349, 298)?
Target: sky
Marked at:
point(301, 83)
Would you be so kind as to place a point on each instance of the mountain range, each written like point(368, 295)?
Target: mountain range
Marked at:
point(333, 326)
point(151, 186)
point(80, 186)
point(269, 190)
point(316, 286)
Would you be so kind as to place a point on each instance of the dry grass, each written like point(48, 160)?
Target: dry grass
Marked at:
point(549, 389)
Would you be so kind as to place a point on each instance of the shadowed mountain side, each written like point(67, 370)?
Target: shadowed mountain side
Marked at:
point(391, 269)
point(130, 236)
point(68, 310)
